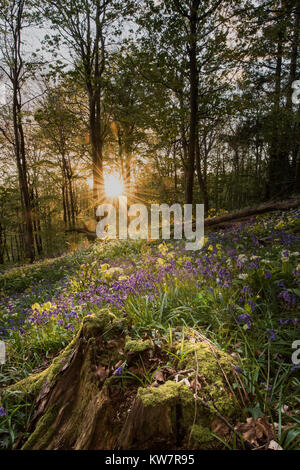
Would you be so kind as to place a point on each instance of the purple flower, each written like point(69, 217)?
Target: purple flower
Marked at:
point(244, 318)
point(267, 387)
point(281, 284)
point(119, 371)
point(238, 369)
point(271, 334)
point(288, 298)
point(2, 411)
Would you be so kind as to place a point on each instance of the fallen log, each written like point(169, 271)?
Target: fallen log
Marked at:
point(250, 212)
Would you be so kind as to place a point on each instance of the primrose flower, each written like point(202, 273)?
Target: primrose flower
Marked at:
point(104, 267)
point(163, 249)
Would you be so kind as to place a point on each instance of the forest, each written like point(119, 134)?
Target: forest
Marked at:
point(116, 343)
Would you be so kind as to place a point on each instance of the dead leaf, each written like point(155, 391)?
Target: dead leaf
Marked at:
point(159, 377)
point(274, 446)
point(196, 385)
point(257, 430)
point(134, 370)
point(219, 427)
point(186, 382)
point(170, 371)
point(118, 364)
point(155, 384)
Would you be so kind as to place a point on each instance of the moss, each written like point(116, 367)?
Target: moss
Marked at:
point(32, 385)
point(137, 346)
point(165, 394)
point(177, 403)
point(98, 323)
point(214, 388)
point(201, 437)
point(104, 323)
point(44, 430)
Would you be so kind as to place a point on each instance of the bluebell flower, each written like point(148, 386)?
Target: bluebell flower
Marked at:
point(244, 318)
point(271, 334)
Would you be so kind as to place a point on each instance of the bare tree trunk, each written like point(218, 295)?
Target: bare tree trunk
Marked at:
point(193, 79)
point(19, 141)
point(201, 180)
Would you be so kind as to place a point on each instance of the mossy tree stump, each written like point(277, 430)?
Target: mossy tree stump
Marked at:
point(80, 402)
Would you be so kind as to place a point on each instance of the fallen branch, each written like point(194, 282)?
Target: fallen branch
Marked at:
point(245, 213)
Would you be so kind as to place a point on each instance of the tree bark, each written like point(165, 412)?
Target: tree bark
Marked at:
point(193, 80)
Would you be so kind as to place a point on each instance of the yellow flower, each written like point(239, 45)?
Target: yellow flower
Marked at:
point(162, 248)
point(36, 306)
point(204, 241)
point(112, 272)
point(104, 267)
point(170, 255)
point(211, 248)
point(47, 306)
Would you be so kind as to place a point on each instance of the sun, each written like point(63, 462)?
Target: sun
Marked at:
point(113, 185)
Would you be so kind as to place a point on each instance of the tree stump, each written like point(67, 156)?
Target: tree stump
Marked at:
point(83, 402)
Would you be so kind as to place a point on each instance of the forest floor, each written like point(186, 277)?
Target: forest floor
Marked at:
point(242, 291)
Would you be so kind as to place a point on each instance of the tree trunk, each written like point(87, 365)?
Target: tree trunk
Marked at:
point(193, 79)
point(278, 163)
point(201, 180)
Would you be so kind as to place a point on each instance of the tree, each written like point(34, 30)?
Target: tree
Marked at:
point(60, 127)
point(14, 17)
point(84, 26)
point(187, 36)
